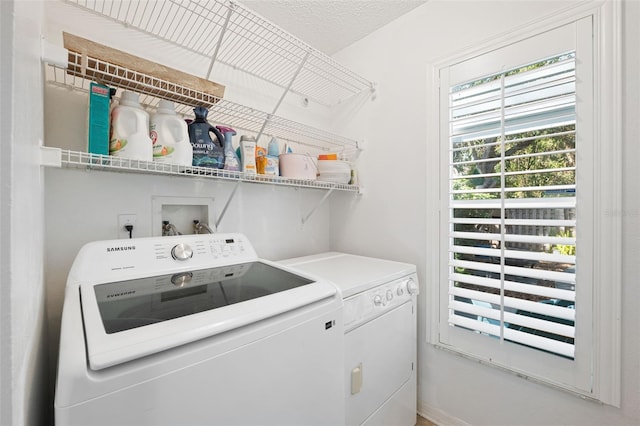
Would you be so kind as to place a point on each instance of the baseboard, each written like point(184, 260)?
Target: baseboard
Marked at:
point(437, 416)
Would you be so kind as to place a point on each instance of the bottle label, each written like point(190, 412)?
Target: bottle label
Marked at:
point(207, 155)
point(160, 151)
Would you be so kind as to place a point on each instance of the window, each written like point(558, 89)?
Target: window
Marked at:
point(526, 256)
point(512, 205)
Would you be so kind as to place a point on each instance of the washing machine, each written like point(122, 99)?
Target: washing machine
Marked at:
point(196, 330)
point(380, 301)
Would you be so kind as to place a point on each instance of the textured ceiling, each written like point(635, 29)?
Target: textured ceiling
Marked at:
point(331, 25)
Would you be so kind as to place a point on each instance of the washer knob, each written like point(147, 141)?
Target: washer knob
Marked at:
point(389, 295)
point(377, 300)
point(181, 252)
point(412, 287)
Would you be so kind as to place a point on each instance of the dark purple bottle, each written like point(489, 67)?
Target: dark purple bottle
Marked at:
point(207, 152)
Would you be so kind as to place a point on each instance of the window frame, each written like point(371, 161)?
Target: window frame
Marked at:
point(600, 234)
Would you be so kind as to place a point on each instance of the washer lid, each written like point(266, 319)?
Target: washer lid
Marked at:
point(129, 319)
point(352, 274)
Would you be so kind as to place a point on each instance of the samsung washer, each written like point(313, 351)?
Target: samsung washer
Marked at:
point(380, 299)
point(196, 330)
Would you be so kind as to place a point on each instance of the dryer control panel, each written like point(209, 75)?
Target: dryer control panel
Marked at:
point(370, 304)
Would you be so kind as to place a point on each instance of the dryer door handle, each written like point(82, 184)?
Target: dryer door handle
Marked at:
point(356, 379)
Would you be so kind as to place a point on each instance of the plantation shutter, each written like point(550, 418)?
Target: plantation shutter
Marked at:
point(512, 208)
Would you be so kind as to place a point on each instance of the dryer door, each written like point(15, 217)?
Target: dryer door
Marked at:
point(379, 360)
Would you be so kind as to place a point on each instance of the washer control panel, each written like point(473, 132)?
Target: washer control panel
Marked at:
point(107, 260)
point(212, 246)
point(365, 306)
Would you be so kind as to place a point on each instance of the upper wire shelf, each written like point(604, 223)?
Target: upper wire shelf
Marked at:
point(227, 33)
point(82, 70)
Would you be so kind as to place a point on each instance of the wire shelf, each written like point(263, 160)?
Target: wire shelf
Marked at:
point(82, 70)
point(232, 35)
point(88, 161)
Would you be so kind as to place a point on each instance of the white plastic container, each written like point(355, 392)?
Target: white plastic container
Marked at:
point(130, 130)
point(169, 136)
point(334, 171)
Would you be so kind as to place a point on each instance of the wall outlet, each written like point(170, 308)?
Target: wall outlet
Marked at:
point(123, 221)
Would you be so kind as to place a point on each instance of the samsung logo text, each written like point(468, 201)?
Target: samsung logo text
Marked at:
point(123, 248)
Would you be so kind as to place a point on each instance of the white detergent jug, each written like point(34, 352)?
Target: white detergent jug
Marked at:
point(130, 130)
point(169, 136)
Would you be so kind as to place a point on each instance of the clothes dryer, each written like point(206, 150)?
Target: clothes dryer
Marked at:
point(380, 299)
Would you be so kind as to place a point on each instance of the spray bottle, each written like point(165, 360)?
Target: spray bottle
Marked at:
point(231, 161)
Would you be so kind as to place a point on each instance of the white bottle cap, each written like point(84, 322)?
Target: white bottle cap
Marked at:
point(129, 99)
point(166, 107)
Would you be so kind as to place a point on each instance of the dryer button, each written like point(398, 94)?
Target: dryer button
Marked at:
point(412, 287)
point(377, 300)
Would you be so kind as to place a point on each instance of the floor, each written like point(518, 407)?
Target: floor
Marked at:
point(424, 422)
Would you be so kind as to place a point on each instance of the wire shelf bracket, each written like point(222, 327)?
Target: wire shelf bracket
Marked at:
point(317, 206)
point(226, 204)
point(284, 94)
point(219, 43)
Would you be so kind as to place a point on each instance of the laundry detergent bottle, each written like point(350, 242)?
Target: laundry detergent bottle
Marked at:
point(206, 151)
point(169, 136)
point(130, 130)
point(231, 161)
point(248, 154)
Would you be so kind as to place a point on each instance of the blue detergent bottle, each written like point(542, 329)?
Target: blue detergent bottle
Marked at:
point(206, 151)
point(231, 161)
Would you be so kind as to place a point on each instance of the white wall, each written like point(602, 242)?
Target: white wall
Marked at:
point(390, 220)
point(23, 354)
